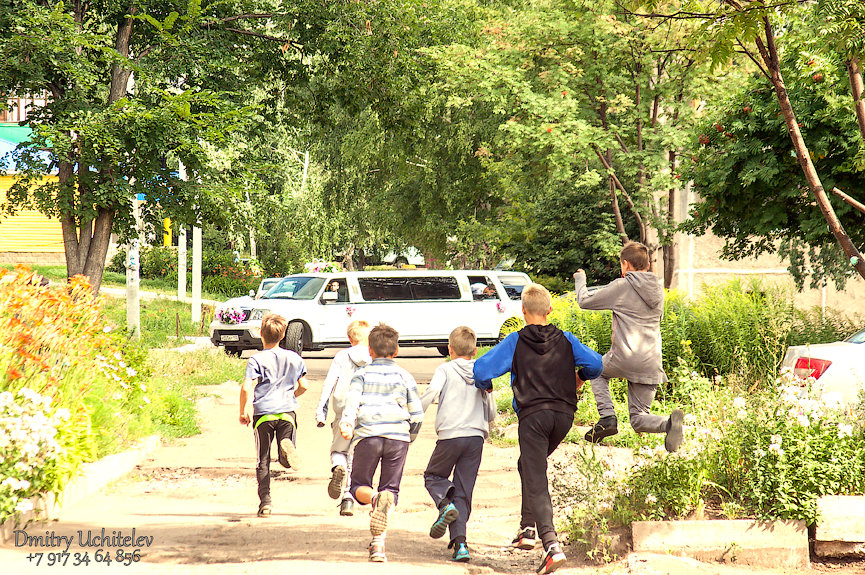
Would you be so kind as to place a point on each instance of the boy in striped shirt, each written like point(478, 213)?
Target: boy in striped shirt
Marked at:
point(383, 413)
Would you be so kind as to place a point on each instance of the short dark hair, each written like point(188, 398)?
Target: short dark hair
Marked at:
point(635, 254)
point(383, 340)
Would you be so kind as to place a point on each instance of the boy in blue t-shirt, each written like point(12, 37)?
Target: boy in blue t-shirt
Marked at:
point(276, 377)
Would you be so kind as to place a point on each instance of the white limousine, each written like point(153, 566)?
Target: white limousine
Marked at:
point(424, 306)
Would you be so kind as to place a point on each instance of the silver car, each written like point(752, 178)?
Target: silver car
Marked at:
point(837, 367)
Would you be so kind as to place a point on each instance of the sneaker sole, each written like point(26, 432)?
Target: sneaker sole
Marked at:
point(440, 527)
point(552, 564)
point(288, 456)
point(264, 512)
point(377, 559)
point(346, 512)
point(525, 544)
point(378, 517)
point(334, 488)
point(597, 437)
point(674, 437)
point(461, 559)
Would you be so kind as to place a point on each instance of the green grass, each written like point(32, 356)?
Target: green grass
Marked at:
point(158, 320)
point(203, 367)
point(116, 280)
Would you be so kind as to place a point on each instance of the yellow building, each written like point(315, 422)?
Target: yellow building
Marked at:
point(28, 236)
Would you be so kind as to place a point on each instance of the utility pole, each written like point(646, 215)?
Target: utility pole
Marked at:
point(196, 274)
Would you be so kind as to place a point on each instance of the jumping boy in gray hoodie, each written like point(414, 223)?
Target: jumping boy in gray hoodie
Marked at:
point(637, 302)
point(462, 424)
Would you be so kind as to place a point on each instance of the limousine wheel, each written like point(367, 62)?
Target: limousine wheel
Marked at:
point(294, 337)
point(233, 351)
point(443, 349)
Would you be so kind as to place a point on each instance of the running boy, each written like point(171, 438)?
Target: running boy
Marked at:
point(541, 359)
point(275, 376)
point(637, 302)
point(383, 413)
point(462, 424)
point(345, 363)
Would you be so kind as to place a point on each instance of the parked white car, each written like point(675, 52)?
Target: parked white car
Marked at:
point(837, 367)
point(423, 306)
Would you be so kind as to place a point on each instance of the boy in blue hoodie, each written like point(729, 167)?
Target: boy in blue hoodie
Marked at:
point(541, 359)
point(462, 424)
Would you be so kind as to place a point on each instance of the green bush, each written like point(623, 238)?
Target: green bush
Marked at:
point(555, 285)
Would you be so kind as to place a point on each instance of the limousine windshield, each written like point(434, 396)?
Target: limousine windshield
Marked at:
point(295, 287)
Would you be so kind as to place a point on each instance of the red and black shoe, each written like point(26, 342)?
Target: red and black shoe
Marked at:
point(552, 559)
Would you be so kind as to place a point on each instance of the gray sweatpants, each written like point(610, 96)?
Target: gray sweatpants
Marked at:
point(640, 398)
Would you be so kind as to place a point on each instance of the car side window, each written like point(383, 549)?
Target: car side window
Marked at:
point(482, 288)
point(340, 286)
point(514, 285)
point(409, 288)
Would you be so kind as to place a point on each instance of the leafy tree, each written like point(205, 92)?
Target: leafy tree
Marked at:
point(748, 178)
point(761, 29)
point(584, 90)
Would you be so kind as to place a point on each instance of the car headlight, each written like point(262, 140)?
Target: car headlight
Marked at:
point(257, 314)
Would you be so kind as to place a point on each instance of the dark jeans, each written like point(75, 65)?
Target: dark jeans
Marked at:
point(264, 436)
point(368, 453)
point(462, 455)
point(539, 433)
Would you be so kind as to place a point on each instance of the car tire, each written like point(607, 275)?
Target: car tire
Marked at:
point(293, 337)
point(233, 351)
point(510, 326)
point(400, 262)
point(443, 349)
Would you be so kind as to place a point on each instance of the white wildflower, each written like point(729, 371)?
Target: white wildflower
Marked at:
point(690, 419)
point(131, 372)
point(739, 403)
point(118, 355)
point(651, 499)
point(776, 439)
point(24, 506)
point(775, 448)
point(145, 399)
point(803, 420)
point(759, 452)
point(106, 329)
point(845, 430)
point(741, 414)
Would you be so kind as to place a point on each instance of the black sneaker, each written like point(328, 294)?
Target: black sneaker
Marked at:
point(525, 539)
point(605, 427)
point(552, 559)
point(337, 477)
point(288, 456)
point(674, 437)
point(346, 508)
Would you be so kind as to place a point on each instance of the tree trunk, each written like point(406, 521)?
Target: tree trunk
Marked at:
point(628, 199)
point(856, 89)
point(769, 53)
point(617, 213)
point(670, 244)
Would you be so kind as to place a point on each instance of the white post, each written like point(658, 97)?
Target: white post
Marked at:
point(181, 263)
point(133, 310)
point(196, 275)
point(181, 249)
point(305, 171)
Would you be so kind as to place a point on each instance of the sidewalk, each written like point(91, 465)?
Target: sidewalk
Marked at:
point(197, 500)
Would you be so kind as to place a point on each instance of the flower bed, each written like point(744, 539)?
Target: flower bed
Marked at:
point(71, 389)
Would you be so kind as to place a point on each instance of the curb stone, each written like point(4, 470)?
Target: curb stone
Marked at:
point(770, 544)
point(93, 477)
point(841, 529)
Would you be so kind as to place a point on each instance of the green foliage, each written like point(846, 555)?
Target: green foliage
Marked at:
point(730, 329)
point(159, 320)
point(750, 184)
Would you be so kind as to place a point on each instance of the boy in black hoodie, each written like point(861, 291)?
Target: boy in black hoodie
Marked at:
point(541, 359)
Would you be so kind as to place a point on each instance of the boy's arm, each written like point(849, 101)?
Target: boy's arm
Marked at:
point(333, 374)
point(588, 360)
point(497, 361)
point(415, 408)
point(436, 385)
point(352, 403)
point(302, 386)
point(245, 404)
point(606, 297)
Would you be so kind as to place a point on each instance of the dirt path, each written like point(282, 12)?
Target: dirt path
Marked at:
point(197, 499)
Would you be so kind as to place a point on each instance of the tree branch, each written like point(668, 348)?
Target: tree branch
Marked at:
point(248, 16)
point(753, 59)
point(858, 205)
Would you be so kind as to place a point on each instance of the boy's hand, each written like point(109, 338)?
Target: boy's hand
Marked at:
point(245, 418)
point(319, 422)
point(580, 271)
point(346, 429)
